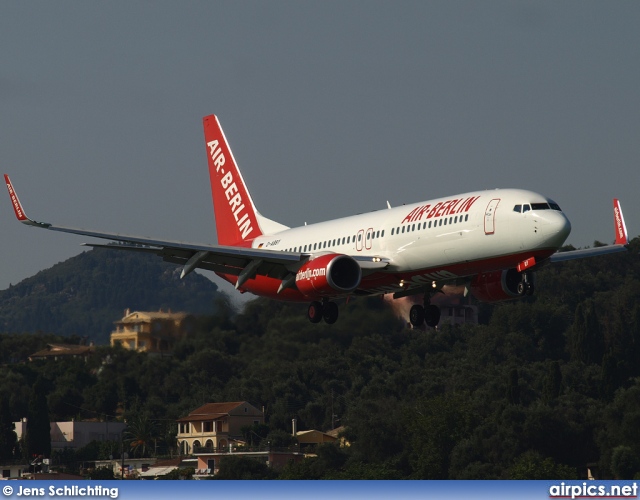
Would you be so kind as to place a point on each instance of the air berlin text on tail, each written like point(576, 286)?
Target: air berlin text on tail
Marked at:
point(230, 189)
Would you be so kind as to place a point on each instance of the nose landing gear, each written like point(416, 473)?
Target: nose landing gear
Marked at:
point(525, 287)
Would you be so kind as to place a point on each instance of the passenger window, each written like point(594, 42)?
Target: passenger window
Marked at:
point(402, 229)
point(440, 223)
point(382, 233)
point(429, 224)
point(343, 240)
point(413, 227)
point(466, 217)
point(445, 221)
point(360, 237)
point(392, 231)
point(517, 208)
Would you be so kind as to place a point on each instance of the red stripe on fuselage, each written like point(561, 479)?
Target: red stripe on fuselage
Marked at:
point(382, 282)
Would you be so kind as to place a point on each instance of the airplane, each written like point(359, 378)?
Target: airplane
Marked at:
point(491, 241)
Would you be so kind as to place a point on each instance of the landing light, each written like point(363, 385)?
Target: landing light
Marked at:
point(434, 284)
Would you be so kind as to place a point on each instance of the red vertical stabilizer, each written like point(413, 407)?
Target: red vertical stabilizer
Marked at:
point(236, 216)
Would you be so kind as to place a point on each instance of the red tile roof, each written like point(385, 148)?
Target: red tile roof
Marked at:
point(211, 411)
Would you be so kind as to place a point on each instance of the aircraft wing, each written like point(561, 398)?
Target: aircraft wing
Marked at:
point(243, 262)
point(620, 245)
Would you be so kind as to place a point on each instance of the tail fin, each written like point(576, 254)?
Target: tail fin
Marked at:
point(618, 221)
point(237, 220)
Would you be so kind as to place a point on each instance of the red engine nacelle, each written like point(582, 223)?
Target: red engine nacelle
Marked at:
point(496, 285)
point(328, 275)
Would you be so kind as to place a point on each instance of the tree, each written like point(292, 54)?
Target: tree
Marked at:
point(233, 467)
point(437, 425)
point(513, 387)
point(552, 384)
point(38, 438)
point(586, 341)
point(624, 462)
point(101, 473)
point(533, 466)
point(8, 437)
point(141, 432)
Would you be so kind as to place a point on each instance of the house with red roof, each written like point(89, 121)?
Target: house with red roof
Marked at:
point(216, 426)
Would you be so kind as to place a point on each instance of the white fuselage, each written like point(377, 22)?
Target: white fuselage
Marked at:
point(450, 237)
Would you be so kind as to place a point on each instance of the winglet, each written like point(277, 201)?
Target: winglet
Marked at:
point(618, 221)
point(17, 207)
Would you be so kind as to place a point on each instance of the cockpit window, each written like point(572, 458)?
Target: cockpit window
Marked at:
point(554, 206)
point(517, 208)
point(539, 206)
point(525, 208)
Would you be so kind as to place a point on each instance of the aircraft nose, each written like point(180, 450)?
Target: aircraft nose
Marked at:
point(557, 228)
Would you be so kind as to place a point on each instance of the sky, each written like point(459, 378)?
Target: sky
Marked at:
point(331, 108)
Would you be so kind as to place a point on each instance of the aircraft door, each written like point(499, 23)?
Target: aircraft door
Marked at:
point(490, 216)
point(360, 240)
point(368, 239)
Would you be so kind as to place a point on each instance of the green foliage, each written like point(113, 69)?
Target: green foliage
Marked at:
point(234, 467)
point(625, 463)
point(140, 434)
point(38, 438)
point(101, 473)
point(532, 465)
point(8, 436)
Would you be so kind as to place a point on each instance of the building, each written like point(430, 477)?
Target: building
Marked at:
point(313, 438)
point(13, 471)
point(133, 467)
point(215, 426)
point(459, 314)
point(153, 332)
point(59, 351)
point(76, 434)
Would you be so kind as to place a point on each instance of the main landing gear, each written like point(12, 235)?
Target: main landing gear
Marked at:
point(427, 313)
point(325, 309)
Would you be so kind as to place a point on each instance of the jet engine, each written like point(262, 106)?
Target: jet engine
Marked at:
point(496, 286)
point(328, 275)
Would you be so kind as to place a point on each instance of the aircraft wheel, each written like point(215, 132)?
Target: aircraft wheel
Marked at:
point(416, 315)
point(315, 312)
point(521, 288)
point(432, 316)
point(330, 312)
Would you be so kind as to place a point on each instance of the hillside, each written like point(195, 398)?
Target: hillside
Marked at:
point(84, 295)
